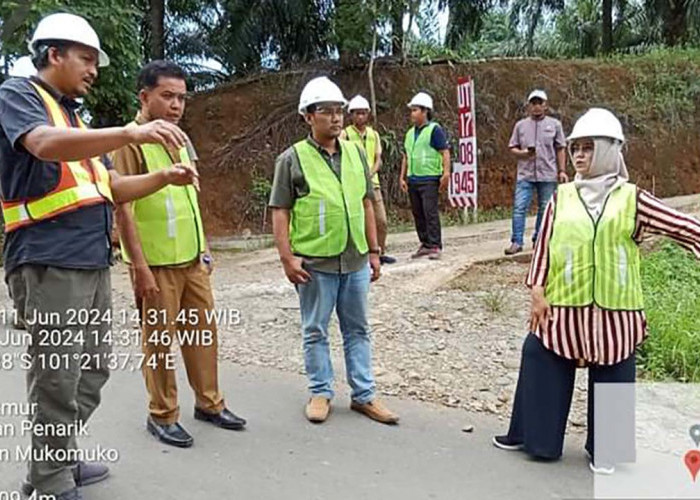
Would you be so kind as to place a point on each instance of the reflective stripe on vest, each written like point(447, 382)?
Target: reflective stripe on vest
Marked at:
point(369, 144)
point(81, 183)
point(168, 221)
point(595, 262)
point(322, 220)
point(423, 159)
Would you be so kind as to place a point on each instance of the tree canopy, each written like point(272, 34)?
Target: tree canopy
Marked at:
point(220, 39)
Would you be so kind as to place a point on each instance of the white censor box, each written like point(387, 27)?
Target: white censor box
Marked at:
point(463, 182)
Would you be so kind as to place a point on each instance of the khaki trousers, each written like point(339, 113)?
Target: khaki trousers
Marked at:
point(179, 310)
point(380, 218)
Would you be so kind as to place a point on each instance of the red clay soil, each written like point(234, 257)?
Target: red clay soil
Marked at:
point(241, 127)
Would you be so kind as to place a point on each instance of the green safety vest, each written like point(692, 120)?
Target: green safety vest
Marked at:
point(168, 221)
point(369, 144)
point(595, 262)
point(423, 159)
point(322, 220)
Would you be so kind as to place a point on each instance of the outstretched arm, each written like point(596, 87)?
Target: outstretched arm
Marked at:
point(655, 217)
point(60, 144)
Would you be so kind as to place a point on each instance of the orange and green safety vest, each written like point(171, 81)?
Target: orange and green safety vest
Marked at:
point(81, 183)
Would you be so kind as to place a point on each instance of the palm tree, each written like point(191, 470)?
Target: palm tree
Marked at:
point(675, 18)
point(465, 21)
point(532, 11)
point(607, 26)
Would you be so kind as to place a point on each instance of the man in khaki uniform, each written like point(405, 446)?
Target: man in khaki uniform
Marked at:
point(163, 240)
point(361, 133)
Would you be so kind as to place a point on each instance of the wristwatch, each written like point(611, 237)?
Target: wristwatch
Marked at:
point(206, 258)
point(377, 251)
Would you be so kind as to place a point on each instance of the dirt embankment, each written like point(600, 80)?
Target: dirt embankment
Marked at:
point(240, 128)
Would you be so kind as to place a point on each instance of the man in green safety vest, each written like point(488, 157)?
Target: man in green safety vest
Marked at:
point(163, 241)
point(425, 172)
point(360, 132)
point(323, 221)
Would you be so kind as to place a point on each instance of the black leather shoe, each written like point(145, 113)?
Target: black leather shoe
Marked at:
point(226, 419)
point(387, 259)
point(173, 434)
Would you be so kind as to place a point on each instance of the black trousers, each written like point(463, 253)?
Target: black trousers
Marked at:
point(426, 213)
point(543, 400)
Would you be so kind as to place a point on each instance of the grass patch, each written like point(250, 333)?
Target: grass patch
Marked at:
point(671, 281)
point(495, 301)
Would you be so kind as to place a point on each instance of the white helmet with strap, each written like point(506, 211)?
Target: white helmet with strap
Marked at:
point(421, 99)
point(318, 90)
point(358, 102)
point(597, 122)
point(70, 28)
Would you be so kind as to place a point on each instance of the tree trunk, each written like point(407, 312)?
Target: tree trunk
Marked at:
point(397, 11)
point(675, 25)
point(370, 74)
point(412, 14)
point(532, 27)
point(607, 27)
point(156, 12)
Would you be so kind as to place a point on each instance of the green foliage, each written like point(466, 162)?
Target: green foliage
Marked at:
point(666, 81)
point(671, 281)
point(245, 36)
point(466, 20)
point(498, 36)
point(112, 99)
point(353, 26)
point(261, 187)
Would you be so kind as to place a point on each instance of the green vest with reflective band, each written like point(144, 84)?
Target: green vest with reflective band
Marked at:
point(369, 144)
point(322, 220)
point(168, 221)
point(423, 159)
point(595, 262)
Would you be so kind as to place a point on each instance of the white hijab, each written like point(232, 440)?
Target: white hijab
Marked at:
point(608, 172)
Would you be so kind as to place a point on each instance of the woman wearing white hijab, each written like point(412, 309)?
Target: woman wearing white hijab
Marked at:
point(587, 303)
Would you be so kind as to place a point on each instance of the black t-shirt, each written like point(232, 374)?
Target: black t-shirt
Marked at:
point(76, 240)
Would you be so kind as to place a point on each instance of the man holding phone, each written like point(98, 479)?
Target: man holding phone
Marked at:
point(539, 145)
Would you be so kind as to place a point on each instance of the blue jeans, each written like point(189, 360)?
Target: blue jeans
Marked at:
point(521, 204)
point(347, 294)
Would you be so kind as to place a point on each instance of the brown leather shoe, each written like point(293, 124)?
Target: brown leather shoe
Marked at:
point(376, 411)
point(317, 409)
point(513, 249)
point(421, 252)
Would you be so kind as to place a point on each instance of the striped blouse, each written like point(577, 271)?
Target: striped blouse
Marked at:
point(596, 335)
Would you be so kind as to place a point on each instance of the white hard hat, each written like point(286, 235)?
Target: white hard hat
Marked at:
point(320, 89)
point(597, 122)
point(23, 67)
point(358, 102)
point(70, 28)
point(537, 94)
point(421, 99)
